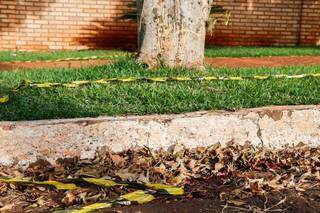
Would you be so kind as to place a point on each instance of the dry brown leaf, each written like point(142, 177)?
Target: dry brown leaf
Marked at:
point(236, 202)
point(117, 160)
point(126, 175)
point(161, 169)
point(218, 166)
point(7, 207)
point(69, 199)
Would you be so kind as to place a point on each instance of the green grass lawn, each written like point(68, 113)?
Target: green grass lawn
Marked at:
point(210, 52)
point(54, 55)
point(261, 51)
point(149, 98)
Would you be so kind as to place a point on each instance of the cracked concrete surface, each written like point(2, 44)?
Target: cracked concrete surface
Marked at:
point(273, 127)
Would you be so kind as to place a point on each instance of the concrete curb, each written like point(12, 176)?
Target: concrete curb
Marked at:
point(25, 142)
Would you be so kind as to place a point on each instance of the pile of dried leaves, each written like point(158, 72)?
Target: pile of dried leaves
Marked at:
point(232, 174)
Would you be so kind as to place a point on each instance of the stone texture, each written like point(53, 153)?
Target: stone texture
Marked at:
point(273, 127)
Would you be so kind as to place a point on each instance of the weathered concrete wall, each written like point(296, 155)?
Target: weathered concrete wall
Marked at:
point(273, 127)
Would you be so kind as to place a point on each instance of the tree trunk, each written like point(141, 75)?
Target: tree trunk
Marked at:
point(172, 32)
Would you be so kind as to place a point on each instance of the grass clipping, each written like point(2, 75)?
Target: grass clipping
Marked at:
point(232, 175)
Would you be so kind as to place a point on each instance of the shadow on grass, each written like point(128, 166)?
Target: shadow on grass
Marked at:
point(29, 105)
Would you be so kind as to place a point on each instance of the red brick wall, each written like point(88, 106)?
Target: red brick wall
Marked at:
point(81, 24)
point(310, 27)
point(64, 24)
point(269, 22)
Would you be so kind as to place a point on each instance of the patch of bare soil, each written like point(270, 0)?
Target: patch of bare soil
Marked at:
point(284, 201)
point(11, 66)
point(274, 61)
point(250, 62)
point(231, 179)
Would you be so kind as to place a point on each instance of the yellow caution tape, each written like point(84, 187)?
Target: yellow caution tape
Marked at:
point(108, 183)
point(210, 78)
point(139, 196)
point(129, 79)
point(101, 81)
point(56, 184)
point(46, 85)
point(111, 56)
point(80, 82)
point(295, 76)
point(235, 78)
point(104, 81)
point(74, 84)
point(14, 180)
point(280, 76)
point(91, 208)
point(180, 78)
point(261, 77)
point(315, 75)
point(4, 99)
point(71, 85)
point(158, 79)
point(171, 190)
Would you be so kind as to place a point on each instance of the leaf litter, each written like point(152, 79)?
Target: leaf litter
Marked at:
point(240, 177)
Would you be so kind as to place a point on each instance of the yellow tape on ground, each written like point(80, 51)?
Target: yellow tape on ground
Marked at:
point(235, 78)
point(261, 77)
point(171, 190)
point(140, 196)
point(158, 79)
point(296, 76)
point(210, 78)
point(46, 85)
point(315, 75)
point(56, 184)
point(75, 84)
point(280, 76)
point(4, 99)
point(108, 183)
point(111, 56)
point(180, 78)
point(128, 79)
point(90, 208)
point(80, 82)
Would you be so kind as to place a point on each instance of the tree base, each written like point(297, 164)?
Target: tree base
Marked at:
point(172, 32)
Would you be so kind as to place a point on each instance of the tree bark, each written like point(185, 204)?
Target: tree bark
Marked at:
point(172, 32)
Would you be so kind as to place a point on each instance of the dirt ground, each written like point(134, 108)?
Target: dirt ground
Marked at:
point(11, 66)
point(306, 202)
point(276, 61)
